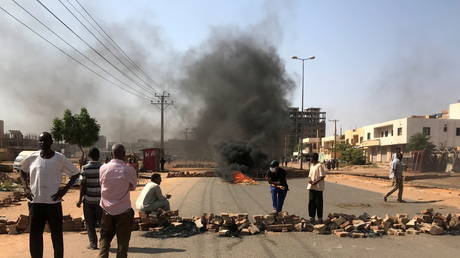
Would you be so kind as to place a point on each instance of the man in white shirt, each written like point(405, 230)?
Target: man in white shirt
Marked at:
point(41, 174)
point(151, 199)
point(316, 187)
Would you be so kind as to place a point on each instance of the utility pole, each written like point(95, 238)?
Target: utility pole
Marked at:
point(285, 147)
point(335, 137)
point(162, 103)
point(304, 119)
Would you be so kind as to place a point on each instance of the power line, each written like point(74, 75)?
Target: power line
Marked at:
point(89, 45)
point(70, 45)
point(116, 44)
point(68, 55)
point(104, 45)
point(110, 41)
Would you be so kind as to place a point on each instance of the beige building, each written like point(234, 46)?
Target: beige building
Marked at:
point(381, 140)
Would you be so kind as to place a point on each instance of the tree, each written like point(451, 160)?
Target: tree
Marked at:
point(351, 154)
point(420, 141)
point(79, 129)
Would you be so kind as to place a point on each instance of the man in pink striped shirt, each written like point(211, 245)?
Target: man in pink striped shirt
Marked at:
point(117, 180)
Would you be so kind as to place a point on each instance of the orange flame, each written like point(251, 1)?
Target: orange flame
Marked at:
point(240, 178)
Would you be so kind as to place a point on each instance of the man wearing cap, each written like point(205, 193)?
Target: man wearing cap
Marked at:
point(276, 178)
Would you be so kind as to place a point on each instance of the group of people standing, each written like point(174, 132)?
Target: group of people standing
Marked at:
point(277, 181)
point(104, 193)
point(279, 188)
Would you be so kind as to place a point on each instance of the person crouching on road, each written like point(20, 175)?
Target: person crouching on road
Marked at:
point(316, 187)
point(90, 196)
point(276, 177)
point(151, 198)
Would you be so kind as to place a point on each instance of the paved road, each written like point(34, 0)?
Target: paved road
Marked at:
point(193, 196)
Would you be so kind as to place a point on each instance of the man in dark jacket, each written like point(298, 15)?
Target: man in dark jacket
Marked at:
point(276, 177)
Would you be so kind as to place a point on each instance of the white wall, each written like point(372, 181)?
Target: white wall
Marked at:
point(454, 111)
point(437, 134)
point(375, 129)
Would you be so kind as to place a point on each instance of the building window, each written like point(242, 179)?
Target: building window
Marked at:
point(368, 136)
point(445, 127)
point(458, 131)
point(360, 139)
point(381, 134)
point(399, 131)
point(386, 133)
point(426, 130)
point(391, 132)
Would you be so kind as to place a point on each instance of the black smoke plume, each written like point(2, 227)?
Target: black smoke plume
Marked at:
point(239, 85)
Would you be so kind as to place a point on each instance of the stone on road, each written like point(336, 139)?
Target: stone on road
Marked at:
point(194, 196)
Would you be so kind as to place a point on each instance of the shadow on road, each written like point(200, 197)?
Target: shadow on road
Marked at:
point(149, 250)
point(431, 201)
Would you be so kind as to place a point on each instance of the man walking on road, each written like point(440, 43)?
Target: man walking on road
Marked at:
point(41, 174)
point(117, 179)
point(151, 197)
point(278, 185)
point(397, 169)
point(316, 187)
point(90, 196)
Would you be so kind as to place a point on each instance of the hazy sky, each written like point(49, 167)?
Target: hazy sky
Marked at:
point(376, 60)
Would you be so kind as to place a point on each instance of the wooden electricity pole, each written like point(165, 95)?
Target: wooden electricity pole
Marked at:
point(162, 103)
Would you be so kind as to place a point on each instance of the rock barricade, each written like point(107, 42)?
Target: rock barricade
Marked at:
point(338, 224)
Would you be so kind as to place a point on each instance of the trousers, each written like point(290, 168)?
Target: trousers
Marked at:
point(39, 214)
point(93, 214)
point(315, 204)
point(398, 185)
point(278, 197)
point(119, 225)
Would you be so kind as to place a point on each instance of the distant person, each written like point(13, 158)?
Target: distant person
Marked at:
point(316, 188)
point(392, 173)
point(41, 174)
point(276, 178)
point(151, 198)
point(397, 169)
point(117, 179)
point(162, 164)
point(90, 196)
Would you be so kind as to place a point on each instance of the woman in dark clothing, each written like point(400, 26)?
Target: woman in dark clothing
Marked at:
point(278, 185)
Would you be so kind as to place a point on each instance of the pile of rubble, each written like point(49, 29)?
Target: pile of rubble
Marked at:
point(339, 224)
point(191, 174)
point(21, 225)
point(194, 165)
point(367, 226)
point(170, 224)
point(13, 199)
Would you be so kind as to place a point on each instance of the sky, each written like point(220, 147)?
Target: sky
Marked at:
point(375, 60)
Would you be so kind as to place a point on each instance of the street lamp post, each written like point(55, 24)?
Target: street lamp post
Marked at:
point(301, 111)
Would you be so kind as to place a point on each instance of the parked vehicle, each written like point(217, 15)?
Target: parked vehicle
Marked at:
point(21, 156)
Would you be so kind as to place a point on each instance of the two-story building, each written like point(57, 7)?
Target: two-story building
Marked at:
point(380, 140)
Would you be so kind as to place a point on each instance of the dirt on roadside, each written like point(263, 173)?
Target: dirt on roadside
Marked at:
point(422, 194)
